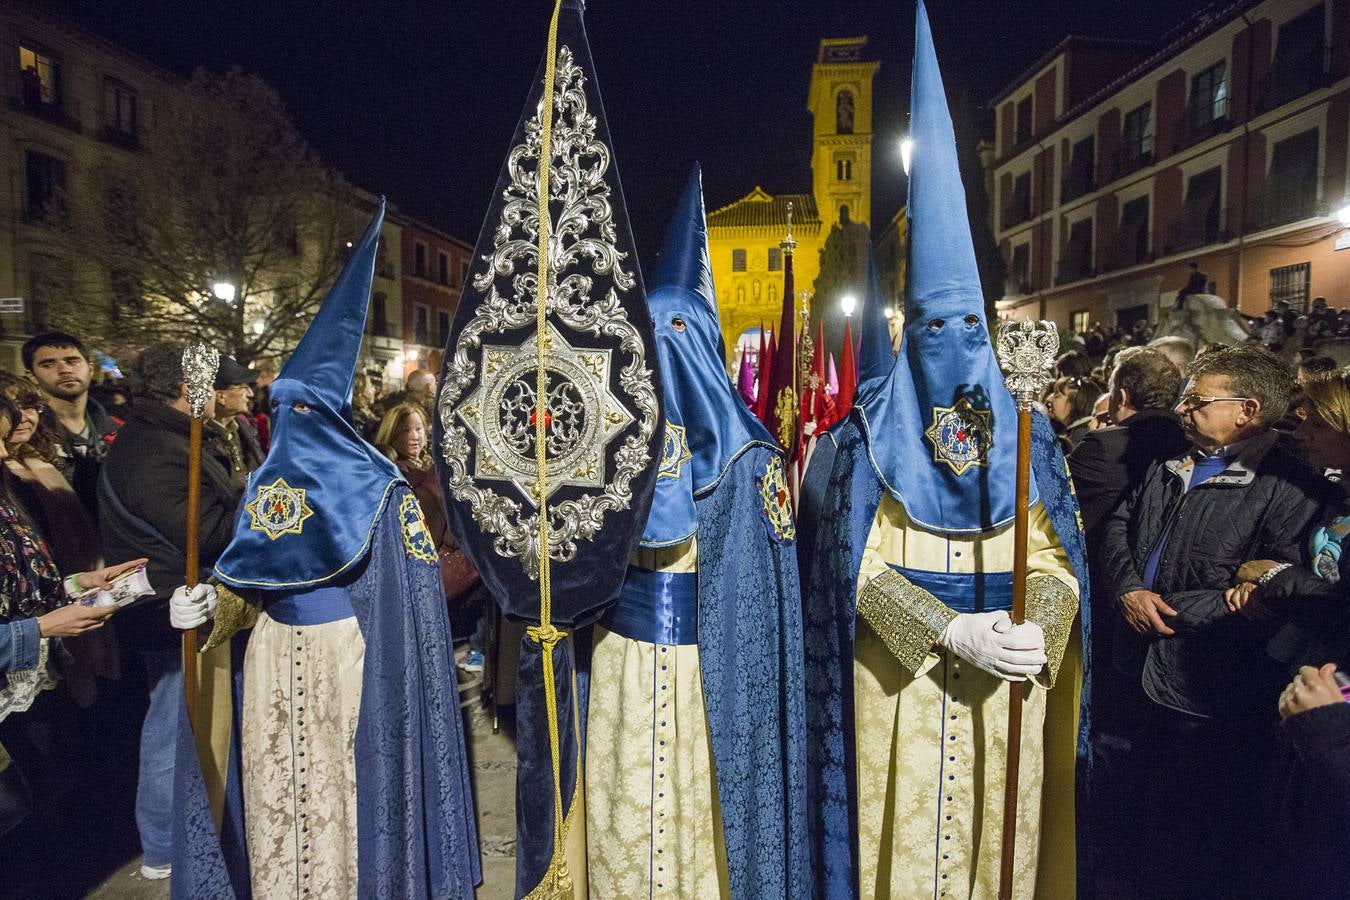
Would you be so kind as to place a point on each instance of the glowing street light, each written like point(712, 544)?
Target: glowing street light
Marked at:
point(848, 303)
point(258, 327)
point(889, 312)
point(1343, 214)
point(223, 290)
point(411, 356)
point(906, 152)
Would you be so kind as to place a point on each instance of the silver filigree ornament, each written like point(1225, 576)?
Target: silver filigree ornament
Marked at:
point(489, 387)
point(200, 364)
point(1026, 352)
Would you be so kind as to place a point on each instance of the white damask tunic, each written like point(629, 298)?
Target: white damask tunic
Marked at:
point(302, 699)
point(931, 728)
point(653, 827)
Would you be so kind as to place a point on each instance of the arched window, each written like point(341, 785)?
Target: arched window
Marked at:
point(843, 169)
point(843, 213)
point(843, 113)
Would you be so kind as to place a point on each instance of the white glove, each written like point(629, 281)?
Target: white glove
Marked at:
point(992, 642)
point(189, 609)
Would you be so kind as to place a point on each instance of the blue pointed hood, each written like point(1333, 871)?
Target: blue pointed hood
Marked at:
point(707, 425)
point(311, 508)
point(875, 356)
point(941, 430)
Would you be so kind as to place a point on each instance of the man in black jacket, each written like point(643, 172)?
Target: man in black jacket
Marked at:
point(143, 512)
point(1169, 552)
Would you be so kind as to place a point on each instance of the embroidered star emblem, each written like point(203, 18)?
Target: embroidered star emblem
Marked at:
point(582, 414)
point(675, 451)
point(960, 435)
point(278, 509)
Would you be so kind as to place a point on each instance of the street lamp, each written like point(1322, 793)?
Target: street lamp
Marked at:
point(906, 152)
point(889, 312)
point(1343, 214)
point(258, 327)
point(223, 290)
point(411, 356)
point(848, 303)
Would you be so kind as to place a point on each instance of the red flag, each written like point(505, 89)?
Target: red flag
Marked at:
point(782, 405)
point(762, 376)
point(848, 375)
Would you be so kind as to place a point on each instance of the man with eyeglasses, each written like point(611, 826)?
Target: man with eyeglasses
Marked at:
point(238, 437)
point(1169, 551)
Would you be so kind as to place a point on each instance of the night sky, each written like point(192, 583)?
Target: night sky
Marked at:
point(419, 100)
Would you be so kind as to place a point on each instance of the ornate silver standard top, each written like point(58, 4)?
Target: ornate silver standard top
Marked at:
point(788, 243)
point(200, 363)
point(1026, 351)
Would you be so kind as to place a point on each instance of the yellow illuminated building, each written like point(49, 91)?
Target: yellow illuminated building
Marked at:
point(744, 236)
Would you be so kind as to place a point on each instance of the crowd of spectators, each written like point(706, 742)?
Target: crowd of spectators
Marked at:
point(97, 473)
point(1212, 502)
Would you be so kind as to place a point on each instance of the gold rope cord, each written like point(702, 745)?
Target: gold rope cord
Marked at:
point(556, 881)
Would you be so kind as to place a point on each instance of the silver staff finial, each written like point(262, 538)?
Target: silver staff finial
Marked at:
point(1026, 351)
point(200, 363)
point(788, 243)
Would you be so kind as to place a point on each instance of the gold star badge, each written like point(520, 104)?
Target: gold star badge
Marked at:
point(675, 452)
point(278, 509)
point(960, 435)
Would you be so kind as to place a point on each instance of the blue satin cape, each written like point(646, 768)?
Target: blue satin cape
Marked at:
point(848, 508)
point(416, 835)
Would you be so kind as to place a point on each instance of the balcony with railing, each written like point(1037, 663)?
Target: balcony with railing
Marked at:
point(1281, 206)
point(1201, 121)
point(44, 212)
point(1191, 234)
point(127, 140)
point(1292, 77)
point(1074, 268)
point(1077, 182)
point(1131, 250)
point(1130, 159)
point(53, 112)
point(1017, 211)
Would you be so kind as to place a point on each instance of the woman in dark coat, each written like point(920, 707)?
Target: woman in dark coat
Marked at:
point(404, 435)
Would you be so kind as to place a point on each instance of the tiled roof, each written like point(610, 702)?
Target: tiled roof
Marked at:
point(758, 209)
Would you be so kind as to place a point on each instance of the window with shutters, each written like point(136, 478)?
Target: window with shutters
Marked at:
point(1077, 261)
point(738, 260)
point(775, 259)
point(1291, 185)
point(1300, 63)
point(1132, 238)
point(44, 201)
point(1018, 209)
point(1023, 133)
point(1078, 179)
point(1136, 141)
point(1198, 223)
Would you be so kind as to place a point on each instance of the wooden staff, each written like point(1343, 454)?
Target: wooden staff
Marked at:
point(1026, 350)
point(200, 363)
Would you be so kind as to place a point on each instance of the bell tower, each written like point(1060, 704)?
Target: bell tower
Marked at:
point(840, 102)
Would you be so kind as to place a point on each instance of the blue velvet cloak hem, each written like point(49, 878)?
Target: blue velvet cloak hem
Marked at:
point(750, 654)
point(848, 506)
point(416, 833)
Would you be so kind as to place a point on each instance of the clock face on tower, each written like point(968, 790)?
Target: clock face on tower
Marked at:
point(960, 435)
